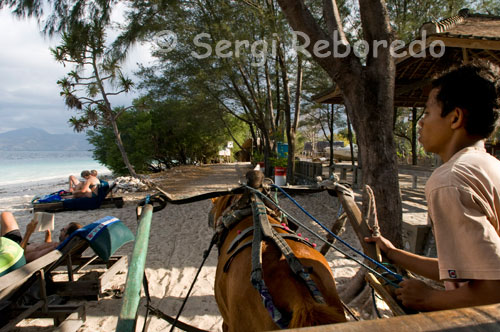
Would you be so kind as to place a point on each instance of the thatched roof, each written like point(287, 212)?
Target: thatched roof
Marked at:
point(466, 36)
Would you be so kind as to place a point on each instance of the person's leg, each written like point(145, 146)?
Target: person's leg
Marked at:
point(8, 223)
point(73, 182)
point(82, 194)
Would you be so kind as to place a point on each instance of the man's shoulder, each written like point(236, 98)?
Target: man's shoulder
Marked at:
point(467, 169)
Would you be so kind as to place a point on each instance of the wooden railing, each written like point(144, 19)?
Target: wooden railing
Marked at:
point(308, 170)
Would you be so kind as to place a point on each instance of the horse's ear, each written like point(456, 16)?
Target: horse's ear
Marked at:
point(214, 199)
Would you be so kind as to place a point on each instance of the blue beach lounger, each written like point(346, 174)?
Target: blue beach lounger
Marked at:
point(55, 202)
point(104, 237)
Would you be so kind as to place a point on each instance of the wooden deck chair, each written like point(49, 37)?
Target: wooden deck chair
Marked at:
point(74, 275)
point(14, 285)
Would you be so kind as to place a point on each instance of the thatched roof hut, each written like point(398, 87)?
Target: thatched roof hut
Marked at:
point(466, 36)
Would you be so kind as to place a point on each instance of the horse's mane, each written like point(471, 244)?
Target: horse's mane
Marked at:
point(220, 205)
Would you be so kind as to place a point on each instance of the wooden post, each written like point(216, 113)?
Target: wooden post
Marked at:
point(362, 230)
point(415, 182)
point(343, 173)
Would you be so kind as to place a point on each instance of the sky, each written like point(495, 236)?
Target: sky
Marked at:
point(29, 94)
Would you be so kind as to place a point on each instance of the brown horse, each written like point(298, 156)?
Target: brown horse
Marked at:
point(241, 304)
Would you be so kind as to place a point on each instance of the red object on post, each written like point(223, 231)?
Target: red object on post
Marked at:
point(280, 176)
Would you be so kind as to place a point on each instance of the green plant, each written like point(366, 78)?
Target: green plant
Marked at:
point(257, 156)
point(279, 162)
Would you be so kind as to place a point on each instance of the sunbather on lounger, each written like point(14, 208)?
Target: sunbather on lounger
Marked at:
point(33, 251)
point(87, 188)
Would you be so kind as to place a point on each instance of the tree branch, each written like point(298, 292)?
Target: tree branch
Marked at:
point(333, 19)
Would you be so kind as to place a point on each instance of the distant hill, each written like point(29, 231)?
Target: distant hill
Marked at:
point(34, 139)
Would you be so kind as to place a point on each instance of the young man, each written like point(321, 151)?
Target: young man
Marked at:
point(32, 251)
point(463, 196)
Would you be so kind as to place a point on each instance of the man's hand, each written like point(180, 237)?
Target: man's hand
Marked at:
point(48, 236)
point(31, 226)
point(384, 244)
point(415, 294)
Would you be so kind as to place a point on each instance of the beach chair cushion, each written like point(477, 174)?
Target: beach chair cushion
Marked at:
point(49, 198)
point(11, 256)
point(104, 236)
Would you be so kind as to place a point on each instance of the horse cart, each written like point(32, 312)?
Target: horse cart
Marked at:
point(283, 282)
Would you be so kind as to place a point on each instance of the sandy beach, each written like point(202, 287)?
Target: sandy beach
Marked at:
point(179, 236)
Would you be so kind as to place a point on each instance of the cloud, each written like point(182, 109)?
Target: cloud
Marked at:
point(29, 95)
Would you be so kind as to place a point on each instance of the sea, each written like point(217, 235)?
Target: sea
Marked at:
point(26, 174)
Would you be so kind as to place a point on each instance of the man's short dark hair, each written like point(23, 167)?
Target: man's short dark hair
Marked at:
point(73, 226)
point(84, 174)
point(473, 88)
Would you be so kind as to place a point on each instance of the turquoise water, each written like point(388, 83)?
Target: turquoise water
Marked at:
point(17, 167)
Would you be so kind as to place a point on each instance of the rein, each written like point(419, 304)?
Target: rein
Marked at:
point(381, 275)
point(263, 230)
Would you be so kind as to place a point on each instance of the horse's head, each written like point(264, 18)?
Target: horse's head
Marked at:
point(221, 204)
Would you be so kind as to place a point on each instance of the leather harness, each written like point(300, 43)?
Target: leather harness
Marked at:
point(262, 230)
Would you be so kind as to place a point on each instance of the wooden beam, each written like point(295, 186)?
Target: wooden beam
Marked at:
point(493, 55)
point(72, 323)
point(465, 56)
point(482, 318)
point(483, 44)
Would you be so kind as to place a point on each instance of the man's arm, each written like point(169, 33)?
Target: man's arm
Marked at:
point(30, 228)
point(417, 295)
point(424, 266)
point(34, 251)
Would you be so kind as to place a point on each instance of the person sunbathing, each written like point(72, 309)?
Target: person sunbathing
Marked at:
point(87, 188)
point(32, 251)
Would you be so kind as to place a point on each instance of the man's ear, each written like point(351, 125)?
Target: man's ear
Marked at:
point(457, 118)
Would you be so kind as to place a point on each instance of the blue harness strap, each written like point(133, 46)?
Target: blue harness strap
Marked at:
point(263, 230)
point(397, 276)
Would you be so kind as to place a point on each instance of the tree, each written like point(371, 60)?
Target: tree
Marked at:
point(262, 89)
point(367, 87)
point(133, 125)
point(95, 78)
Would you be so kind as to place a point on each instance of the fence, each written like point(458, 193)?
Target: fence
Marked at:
point(308, 170)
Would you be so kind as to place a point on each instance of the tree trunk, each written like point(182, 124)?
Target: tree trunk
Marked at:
point(376, 149)
point(368, 93)
point(119, 143)
point(414, 121)
point(291, 128)
point(349, 137)
point(331, 139)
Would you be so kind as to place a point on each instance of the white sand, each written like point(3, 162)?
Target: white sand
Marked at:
point(179, 236)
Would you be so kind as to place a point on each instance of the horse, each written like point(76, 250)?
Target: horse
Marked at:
point(242, 306)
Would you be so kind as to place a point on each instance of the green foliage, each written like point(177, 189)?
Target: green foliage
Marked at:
point(169, 133)
point(279, 161)
point(135, 130)
point(257, 157)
